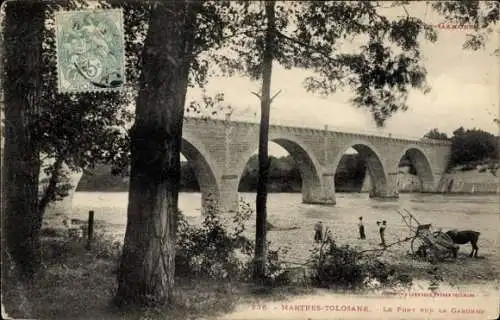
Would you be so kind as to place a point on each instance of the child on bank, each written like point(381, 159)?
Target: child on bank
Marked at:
point(361, 227)
point(381, 231)
point(318, 232)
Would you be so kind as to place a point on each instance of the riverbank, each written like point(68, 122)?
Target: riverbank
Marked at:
point(72, 284)
point(79, 284)
point(285, 211)
point(462, 270)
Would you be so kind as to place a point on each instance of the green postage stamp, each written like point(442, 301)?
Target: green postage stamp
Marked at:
point(90, 50)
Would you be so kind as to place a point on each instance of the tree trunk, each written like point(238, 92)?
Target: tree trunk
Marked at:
point(146, 272)
point(24, 22)
point(265, 106)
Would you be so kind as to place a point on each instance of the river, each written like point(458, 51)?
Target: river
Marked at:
point(447, 211)
point(476, 212)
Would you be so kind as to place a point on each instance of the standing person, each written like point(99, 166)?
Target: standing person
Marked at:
point(362, 235)
point(381, 230)
point(318, 231)
point(329, 235)
point(378, 225)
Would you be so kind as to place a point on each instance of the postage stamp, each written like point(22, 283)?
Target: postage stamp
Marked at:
point(90, 50)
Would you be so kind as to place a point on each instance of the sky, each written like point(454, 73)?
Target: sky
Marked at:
point(464, 92)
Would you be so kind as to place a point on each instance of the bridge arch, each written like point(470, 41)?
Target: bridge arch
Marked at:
point(308, 165)
point(203, 166)
point(422, 165)
point(374, 164)
point(198, 157)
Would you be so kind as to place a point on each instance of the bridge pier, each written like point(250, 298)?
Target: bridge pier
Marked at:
point(322, 192)
point(388, 191)
point(228, 193)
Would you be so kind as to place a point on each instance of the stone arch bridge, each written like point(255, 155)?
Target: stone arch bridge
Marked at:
point(218, 151)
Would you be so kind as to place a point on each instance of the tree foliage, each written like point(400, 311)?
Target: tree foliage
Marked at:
point(313, 35)
point(81, 129)
point(73, 129)
point(284, 176)
point(473, 145)
point(482, 15)
point(436, 135)
point(381, 70)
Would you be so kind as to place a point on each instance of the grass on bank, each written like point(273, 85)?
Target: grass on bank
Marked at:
point(79, 284)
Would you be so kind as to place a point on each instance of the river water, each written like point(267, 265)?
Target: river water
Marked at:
point(476, 212)
point(445, 211)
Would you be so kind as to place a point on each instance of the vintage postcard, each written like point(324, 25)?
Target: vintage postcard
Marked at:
point(250, 160)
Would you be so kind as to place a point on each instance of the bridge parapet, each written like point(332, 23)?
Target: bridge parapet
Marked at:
point(326, 128)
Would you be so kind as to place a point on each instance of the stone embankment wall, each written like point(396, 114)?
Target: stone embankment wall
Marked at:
point(480, 180)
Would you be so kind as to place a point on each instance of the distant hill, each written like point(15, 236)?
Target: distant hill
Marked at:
point(101, 179)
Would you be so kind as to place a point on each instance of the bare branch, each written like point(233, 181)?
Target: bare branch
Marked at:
point(406, 11)
point(256, 94)
point(275, 95)
point(308, 262)
point(387, 246)
point(408, 224)
point(250, 33)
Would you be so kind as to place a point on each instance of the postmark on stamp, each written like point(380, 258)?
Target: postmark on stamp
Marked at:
point(90, 50)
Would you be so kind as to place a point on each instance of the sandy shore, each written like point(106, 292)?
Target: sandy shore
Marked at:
point(295, 223)
point(297, 238)
point(463, 269)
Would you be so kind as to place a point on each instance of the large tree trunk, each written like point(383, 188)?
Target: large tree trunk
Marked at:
point(265, 106)
point(24, 22)
point(146, 272)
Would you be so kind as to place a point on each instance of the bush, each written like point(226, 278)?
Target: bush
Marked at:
point(335, 266)
point(275, 270)
point(346, 268)
point(211, 250)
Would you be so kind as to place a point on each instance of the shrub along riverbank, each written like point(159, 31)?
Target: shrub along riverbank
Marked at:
point(213, 267)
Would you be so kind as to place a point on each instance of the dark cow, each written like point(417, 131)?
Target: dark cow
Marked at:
point(463, 237)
